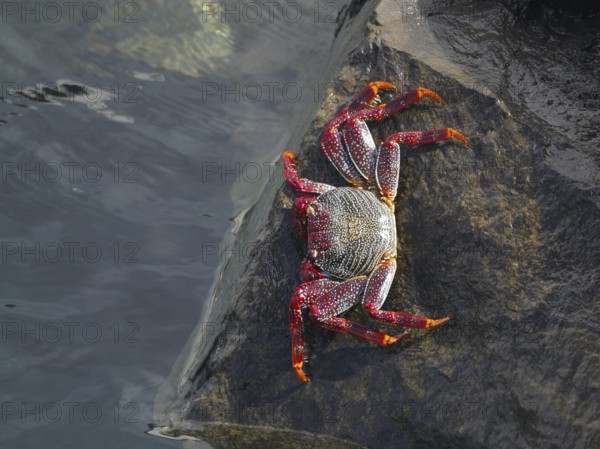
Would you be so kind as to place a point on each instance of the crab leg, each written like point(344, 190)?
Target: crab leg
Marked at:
point(361, 148)
point(299, 215)
point(376, 291)
point(326, 299)
point(388, 162)
point(361, 101)
point(434, 135)
point(308, 271)
point(344, 326)
point(297, 303)
point(300, 184)
point(334, 150)
point(366, 96)
point(300, 300)
point(396, 105)
point(331, 142)
point(358, 139)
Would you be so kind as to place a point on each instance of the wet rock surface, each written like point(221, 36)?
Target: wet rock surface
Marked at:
point(495, 237)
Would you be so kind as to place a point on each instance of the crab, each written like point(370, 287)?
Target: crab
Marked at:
point(350, 232)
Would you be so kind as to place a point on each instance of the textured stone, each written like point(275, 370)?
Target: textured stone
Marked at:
point(494, 237)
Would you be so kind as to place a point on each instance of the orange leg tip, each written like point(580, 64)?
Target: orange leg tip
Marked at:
point(288, 155)
point(462, 138)
point(434, 323)
point(302, 376)
point(429, 93)
point(375, 85)
point(300, 373)
point(389, 340)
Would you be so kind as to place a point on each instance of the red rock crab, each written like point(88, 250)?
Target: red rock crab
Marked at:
point(351, 231)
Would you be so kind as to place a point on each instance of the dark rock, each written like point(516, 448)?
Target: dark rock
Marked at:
point(500, 237)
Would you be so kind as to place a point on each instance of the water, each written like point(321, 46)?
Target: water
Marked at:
point(122, 168)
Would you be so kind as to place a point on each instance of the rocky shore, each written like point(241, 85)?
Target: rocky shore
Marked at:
point(503, 238)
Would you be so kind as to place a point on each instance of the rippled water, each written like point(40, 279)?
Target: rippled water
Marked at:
point(124, 161)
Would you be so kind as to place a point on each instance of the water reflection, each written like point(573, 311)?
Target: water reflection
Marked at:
point(116, 138)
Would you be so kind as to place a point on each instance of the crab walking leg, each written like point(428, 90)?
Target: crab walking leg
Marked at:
point(386, 110)
point(388, 162)
point(300, 184)
point(308, 271)
point(332, 143)
point(345, 326)
point(376, 291)
point(434, 135)
point(332, 146)
point(361, 101)
point(328, 304)
point(297, 303)
point(361, 148)
point(326, 299)
point(365, 97)
point(300, 300)
point(358, 138)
